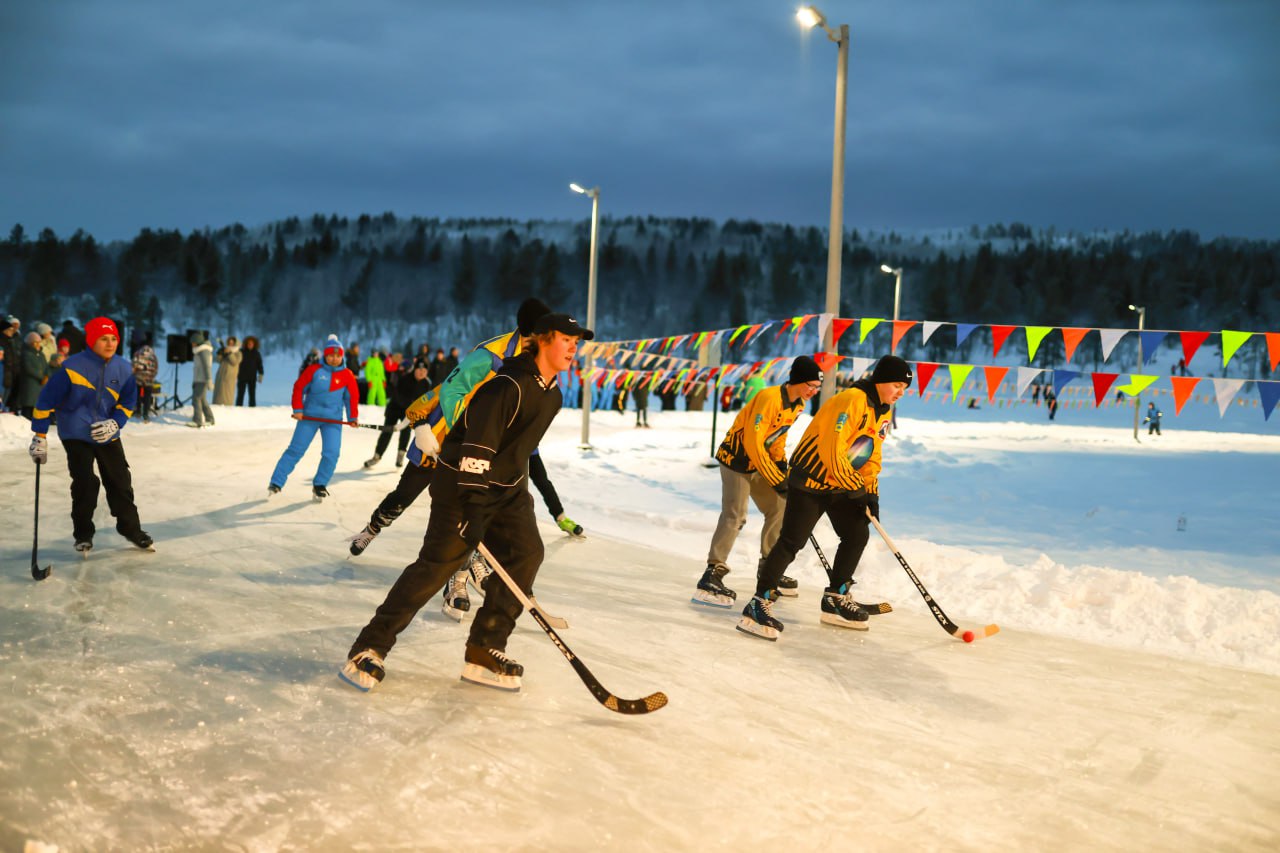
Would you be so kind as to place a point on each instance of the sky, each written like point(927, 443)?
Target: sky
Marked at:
point(188, 699)
point(1081, 115)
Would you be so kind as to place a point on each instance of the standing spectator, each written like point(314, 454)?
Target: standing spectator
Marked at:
point(145, 368)
point(406, 389)
point(48, 344)
point(309, 359)
point(250, 373)
point(355, 365)
point(11, 346)
point(375, 373)
point(1153, 418)
point(424, 354)
point(324, 391)
point(641, 395)
point(1051, 400)
point(224, 387)
point(452, 359)
point(34, 374)
point(90, 421)
point(73, 336)
point(439, 370)
point(201, 379)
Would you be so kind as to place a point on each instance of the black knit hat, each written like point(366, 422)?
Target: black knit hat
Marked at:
point(530, 310)
point(892, 369)
point(804, 369)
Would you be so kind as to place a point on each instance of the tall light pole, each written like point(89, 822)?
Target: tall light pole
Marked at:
point(810, 17)
point(897, 286)
point(594, 195)
point(1137, 398)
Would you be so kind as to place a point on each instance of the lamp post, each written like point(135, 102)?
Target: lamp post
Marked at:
point(594, 195)
point(897, 286)
point(1137, 398)
point(810, 17)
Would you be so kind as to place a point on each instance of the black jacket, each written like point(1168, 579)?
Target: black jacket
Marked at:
point(490, 444)
point(405, 390)
point(250, 365)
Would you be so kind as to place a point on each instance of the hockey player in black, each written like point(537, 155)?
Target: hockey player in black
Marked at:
point(480, 494)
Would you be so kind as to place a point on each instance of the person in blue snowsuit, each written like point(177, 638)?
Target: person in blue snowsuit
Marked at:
point(94, 396)
point(329, 391)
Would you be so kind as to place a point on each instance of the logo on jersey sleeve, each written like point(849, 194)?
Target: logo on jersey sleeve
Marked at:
point(860, 451)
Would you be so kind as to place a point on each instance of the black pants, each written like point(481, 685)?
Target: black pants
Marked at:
point(512, 536)
point(246, 384)
point(848, 517)
point(1154, 428)
point(538, 474)
point(391, 418)
point(413, 481)
point(114, 469)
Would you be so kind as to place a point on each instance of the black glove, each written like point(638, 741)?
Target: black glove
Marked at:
point(781, 488)
point(873, 506)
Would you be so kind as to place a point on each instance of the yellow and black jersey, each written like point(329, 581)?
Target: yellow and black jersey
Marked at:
point(840, 451)
point(757, 441)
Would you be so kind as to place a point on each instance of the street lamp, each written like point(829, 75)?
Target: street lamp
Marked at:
point(594, 195)
point(897, 286)
point(809, 17)
point(1137, 398)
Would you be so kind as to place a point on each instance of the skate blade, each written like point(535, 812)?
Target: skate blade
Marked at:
point(452, 612)
point(752, 628)
point(707, 599)
point(360, 680)
point(788, 593)
point(476, 674)
point(833, 619)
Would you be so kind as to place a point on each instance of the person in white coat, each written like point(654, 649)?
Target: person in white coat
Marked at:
point(201, 380)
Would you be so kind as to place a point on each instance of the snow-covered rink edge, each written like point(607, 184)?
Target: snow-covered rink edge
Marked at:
point(188, 699)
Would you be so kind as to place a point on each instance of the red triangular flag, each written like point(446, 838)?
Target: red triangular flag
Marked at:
point(838, 328)
point(1273, 348)
point(1101, 384)
point(1000, 334)
point(1191, 342)
point(924, 372)
point(1182, 388)
point(826, 360)
point(1071, 337)
point(900, 328)
point(995, 375)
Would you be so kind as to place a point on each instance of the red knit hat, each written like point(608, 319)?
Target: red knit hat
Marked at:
point(97, 327)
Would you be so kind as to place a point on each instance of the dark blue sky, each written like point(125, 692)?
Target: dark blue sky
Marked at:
point(1081, 115)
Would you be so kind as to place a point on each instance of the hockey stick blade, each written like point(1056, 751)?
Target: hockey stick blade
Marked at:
point(874, 609)
point(947, 625)
point(646, 705)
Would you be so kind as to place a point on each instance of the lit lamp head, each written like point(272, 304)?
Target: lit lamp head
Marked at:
point(809, 17)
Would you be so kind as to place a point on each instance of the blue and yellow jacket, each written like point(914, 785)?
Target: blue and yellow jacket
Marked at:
point(444, 404)
point(85, 391)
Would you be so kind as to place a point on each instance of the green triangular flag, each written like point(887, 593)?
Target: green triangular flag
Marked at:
point(959, 373)
point(1035, 334)
point(865, 325)
point(1232, 341)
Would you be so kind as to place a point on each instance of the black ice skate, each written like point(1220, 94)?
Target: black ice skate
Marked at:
point(757, 617)
point(362, 539)
point(839, 608)
point(711, 590)
point(788, 586)
point(491, 668)
point(319, 493)
point(141, 540)
point(84, 547)
point(365, 671)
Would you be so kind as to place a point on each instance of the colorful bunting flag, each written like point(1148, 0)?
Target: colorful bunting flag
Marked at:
point(1273, 348)
point(928, 327)
point(924, 372)
point(1061, 378)
point(838, 328)
point(1136, 385)
point(1150, 342)
point(963, 330)
point(1101, 384)
point(1182, 388)
point(1026, 375)
point(861, 365)
point(995, 375)
point(1071, 339)
point(1232, 341)
point(1191, 342)
point(1268, 393)
point(865, 326)
point(900, 328)
point(1110, 337)
point(959, 373)
point(1225, 390)
point(1035, 334)
point(1000, 334)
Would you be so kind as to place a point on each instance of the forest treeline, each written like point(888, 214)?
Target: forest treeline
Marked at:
point(657, 276)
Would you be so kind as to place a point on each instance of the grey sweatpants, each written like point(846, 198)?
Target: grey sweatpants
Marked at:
point(735, 489)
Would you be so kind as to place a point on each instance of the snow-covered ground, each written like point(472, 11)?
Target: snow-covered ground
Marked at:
point(188, 699)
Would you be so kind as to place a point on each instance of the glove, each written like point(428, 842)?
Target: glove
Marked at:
point(873, 506)
point(39, 449)
point(425, 440)
point(104, 431)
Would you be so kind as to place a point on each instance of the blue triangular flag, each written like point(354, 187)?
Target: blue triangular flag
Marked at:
point(963, 330)
point(1270, 393)
point(1150, 343)
point(1061, 378)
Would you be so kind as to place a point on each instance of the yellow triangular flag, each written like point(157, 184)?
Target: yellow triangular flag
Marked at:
point(1232, 341)
point(959, 373)
point(1035, 334)
point(865, 325)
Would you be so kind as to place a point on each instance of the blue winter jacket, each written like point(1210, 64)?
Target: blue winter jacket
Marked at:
point(326, 392)
point(85, 391)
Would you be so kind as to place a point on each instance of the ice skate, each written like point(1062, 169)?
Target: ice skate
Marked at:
point(272, 490)
point(369, 463)
point(478, 571)
point(839, 608)
point(400, 458)
point(456, 600)
point(362, 539)
point(711, 590)
point(84, 547)
point(141, 540)
point(491, 668)
point(319, 493)
point(757, 617)
point(788, 586)
point(364, 671)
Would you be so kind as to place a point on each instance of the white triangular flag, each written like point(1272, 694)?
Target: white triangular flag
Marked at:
point(1025, 377)
point(928, 327)
point(1110, 337)
point(1225, 390)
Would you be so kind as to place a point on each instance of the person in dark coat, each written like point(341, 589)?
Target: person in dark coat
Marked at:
point(407, 388)
point(35, 372)
point(251, 372)
point(73, 336)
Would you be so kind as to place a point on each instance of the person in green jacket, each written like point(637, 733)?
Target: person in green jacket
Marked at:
point(375, 372)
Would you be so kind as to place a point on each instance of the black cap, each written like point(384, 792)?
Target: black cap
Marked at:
point(528, 313)
point(892, 369)
point(561, 323)
point(804, 369)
